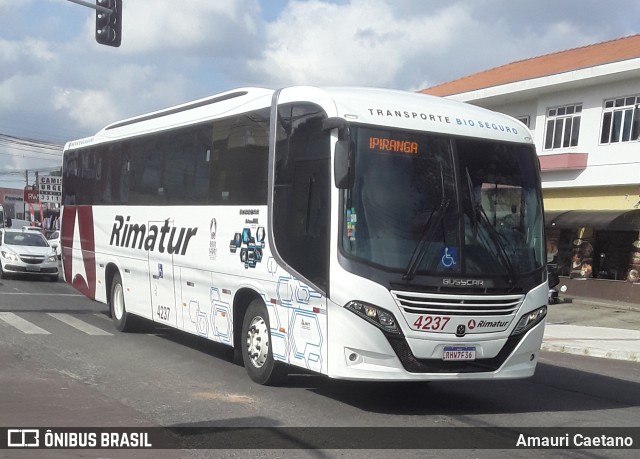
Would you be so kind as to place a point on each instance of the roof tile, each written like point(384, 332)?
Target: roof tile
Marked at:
point(550, 64)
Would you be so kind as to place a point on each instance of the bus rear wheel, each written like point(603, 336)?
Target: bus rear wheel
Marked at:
point(257, 353)
point(123, 321)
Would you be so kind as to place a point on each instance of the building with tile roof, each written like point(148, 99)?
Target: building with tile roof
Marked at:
point(594, 60)
point(583, 108)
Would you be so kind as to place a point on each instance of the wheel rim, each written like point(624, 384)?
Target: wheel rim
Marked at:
point(118, 301)
point(258, 342)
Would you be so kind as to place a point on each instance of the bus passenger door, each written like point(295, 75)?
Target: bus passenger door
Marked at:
point(163, 298)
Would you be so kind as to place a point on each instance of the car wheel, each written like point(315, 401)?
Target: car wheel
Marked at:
point(123, 321)
point(257, 353)
point(3, 275)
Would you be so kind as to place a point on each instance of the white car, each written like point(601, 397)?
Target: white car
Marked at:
point(27, 252)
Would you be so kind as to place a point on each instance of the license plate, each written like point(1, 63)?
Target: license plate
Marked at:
point(33, 268)
point(459, 353)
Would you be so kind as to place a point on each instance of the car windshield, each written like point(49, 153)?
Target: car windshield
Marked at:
point(428, 204)
point(25, 239)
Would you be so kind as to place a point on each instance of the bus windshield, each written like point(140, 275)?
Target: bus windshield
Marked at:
point(431, 204)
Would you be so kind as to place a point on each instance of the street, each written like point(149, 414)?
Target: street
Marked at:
point(63, 364)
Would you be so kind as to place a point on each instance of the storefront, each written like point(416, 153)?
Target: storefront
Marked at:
point(12, 202)
point(596, 252)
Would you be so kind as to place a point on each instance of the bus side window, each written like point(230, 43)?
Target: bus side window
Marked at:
point(177, 174)
point(218, 188)
point(239, 160)
point(186, 166)
point(147, 157)
point(201, 167)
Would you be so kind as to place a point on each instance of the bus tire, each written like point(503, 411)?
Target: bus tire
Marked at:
point(257, 353)
point(123, 321)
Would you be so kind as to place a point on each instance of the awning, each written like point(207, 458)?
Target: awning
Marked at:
point(611, 220)
point(563, 162)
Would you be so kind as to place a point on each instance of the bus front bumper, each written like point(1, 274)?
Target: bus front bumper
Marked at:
point(361, 351)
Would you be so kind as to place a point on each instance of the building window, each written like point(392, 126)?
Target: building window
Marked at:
point(620, 120)
point(563, 126)
point(526, 120)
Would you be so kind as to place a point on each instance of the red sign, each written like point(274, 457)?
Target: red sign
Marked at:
point(30, 196)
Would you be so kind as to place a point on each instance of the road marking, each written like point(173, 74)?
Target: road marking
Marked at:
point(40, 294)
point(78, 324)
point(23, 325)
point(102, 316)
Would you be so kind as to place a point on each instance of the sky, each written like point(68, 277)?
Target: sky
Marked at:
point(57, 84)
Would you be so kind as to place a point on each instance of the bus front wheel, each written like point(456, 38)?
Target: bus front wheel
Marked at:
point(257, 354)
point(121, 318)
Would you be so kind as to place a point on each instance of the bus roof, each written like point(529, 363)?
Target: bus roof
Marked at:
point(371, 106)
point(224, 104)
point(409, 110)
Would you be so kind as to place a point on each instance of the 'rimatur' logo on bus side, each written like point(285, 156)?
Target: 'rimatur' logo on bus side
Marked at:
point(138, 236)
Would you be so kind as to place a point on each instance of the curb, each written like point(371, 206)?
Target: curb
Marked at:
point(608, 343)
point(591, 352)
point(600, 303)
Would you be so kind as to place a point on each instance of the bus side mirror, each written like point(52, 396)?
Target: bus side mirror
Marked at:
point(343, 158)
point(343, 170)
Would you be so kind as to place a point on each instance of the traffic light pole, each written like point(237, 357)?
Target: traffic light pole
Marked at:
point(108, 20)
point(102, 9)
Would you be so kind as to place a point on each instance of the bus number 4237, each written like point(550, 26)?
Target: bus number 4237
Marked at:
point(431, 323)
point(163, 312)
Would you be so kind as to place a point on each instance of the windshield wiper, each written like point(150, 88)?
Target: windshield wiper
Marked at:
point(476, 208)
point(474, 217)
point(495, 237)
point(419, 252)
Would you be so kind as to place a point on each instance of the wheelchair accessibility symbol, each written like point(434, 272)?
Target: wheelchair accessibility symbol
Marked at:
point(449, 257)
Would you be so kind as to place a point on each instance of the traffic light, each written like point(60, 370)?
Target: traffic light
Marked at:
point(109, 26)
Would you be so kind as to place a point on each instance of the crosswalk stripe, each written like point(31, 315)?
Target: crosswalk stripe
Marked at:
point(23, 325)
point(78, 324)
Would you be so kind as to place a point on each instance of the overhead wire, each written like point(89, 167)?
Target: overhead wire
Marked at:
point(43, 147)
point(33, 148)
point(28, 148)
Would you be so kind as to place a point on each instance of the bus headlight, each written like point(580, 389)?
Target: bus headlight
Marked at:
point(529, 320)
point(379, 317)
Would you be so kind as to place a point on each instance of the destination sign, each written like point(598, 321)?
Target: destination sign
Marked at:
point(393, 145)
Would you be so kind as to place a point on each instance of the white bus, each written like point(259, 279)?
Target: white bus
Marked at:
point(362, 234)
